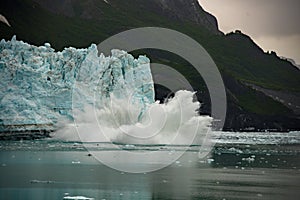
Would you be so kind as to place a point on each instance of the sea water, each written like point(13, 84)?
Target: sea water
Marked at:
point(240, 166)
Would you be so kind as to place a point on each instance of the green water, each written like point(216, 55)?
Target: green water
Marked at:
point(50, 170)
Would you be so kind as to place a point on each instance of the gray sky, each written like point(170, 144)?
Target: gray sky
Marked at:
point(272, 24)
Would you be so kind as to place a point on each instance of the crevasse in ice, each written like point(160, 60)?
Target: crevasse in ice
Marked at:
point(37, 84)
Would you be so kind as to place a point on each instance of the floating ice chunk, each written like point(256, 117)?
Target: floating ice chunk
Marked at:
point(41, 181)
point(250, 159)
point(232, 149)
point(78, 198)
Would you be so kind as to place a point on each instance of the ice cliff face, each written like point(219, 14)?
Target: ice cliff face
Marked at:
point(38, 85)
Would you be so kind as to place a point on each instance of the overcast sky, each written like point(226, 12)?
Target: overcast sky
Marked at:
point(272, 24)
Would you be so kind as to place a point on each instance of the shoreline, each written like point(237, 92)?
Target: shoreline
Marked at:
point(44, 133)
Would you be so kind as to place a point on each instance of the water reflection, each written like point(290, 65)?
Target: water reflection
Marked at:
point(230, 172)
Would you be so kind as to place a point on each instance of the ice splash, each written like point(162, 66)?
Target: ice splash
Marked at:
point(175, 122)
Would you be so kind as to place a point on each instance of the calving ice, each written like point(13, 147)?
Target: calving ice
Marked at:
point(44, 89)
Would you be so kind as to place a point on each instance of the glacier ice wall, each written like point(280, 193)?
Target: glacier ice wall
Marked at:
point(38, 85)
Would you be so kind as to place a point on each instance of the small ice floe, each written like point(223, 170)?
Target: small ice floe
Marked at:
point(171, 152)
point(129, 146)
point(249, 159)
point(75, 144)
point(232, 149)
point(202, 161)
point(78, 198)
point(210, 160)
point(42, 182)
point(51, 146)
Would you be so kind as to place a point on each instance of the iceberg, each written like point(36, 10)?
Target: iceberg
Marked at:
point(39, 86)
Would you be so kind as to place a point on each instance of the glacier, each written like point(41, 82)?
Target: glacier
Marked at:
point(40, 86)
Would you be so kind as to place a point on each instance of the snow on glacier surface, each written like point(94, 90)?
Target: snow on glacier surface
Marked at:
point(38, 84)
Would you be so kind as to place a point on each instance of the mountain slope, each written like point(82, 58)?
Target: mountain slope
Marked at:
point(242, 63)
